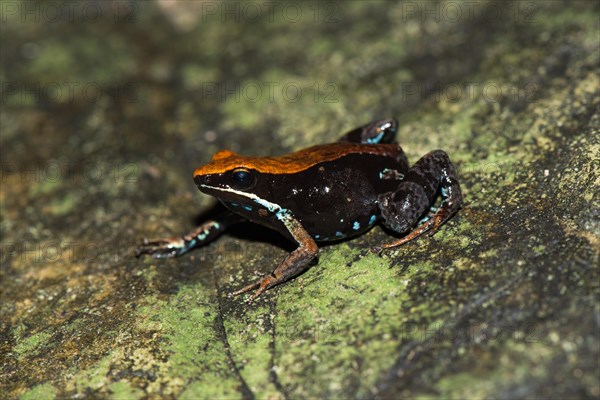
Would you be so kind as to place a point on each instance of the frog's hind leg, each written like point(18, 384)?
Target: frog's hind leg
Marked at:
point(380, 131)
point(400, 210)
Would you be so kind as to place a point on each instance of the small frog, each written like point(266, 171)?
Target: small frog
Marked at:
point(323, 193)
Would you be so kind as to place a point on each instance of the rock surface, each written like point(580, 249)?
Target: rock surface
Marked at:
point(108, 109)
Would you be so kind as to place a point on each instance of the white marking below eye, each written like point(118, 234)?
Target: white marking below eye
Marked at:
point(282, 214)
point(266, 204)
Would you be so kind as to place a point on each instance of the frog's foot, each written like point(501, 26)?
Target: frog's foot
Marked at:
point(262, 284)
point(296, 262)
point(162, 248)
point(431, 225)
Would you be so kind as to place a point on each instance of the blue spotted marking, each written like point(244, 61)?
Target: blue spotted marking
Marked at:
point(432, 210)
point(283, 214)
point(372, 219)
point(356, 226)
point(444, 195)
point(317, 236)
point(339, 234)
point(422, 221)
point(247, 208)
point(233, 204)
point(202, 235)
point(382, 173)
point(376, 139)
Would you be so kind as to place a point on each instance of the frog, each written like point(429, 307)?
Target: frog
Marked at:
point(324, 193)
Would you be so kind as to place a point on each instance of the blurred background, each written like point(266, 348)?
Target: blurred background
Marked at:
point(107, 107)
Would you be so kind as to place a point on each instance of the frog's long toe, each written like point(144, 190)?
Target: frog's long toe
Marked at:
point(248, 288)
point(262, 284)
point(160, 248)
point(376, 250)
point(431, 226)
point(414, 234)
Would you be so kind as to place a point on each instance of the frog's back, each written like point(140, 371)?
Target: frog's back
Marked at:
point(333, 188)
point(298, 161)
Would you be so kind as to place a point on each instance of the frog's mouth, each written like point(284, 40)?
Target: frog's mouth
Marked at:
point(210, 190)
point(205, 185)
point(220, 192)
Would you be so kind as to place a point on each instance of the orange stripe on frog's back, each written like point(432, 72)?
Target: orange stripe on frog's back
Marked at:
point(294, 162)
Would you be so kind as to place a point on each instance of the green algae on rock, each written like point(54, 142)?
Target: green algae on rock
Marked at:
point(496, 304)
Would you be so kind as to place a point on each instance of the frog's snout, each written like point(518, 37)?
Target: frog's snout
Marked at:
point(202, 180)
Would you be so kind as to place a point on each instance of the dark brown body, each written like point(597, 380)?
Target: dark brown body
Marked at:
point(332, 199)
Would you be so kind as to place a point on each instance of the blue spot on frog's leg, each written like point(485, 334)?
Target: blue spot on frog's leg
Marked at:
point(382, 173)
point(247, 208)
point(376, 139)
point(339, 234)
point(356, 226)
point(444, 195)
point(372, 219)
point(431, 211)
point(317, 236)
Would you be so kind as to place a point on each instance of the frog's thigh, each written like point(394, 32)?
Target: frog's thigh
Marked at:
point(400, 210)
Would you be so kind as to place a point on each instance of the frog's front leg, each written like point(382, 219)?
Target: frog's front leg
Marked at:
point(296, 262)
point(175, 246)
point(401, 209)
point(380, 131)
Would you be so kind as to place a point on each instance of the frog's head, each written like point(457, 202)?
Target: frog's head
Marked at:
point(227, 171)
point(231, 177)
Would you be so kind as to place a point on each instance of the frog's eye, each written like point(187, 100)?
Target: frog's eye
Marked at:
point(242, 178)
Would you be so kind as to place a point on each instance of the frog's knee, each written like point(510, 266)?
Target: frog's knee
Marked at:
point(400, 210)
